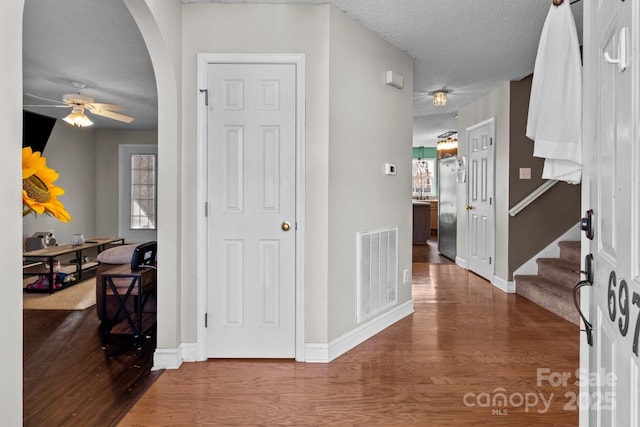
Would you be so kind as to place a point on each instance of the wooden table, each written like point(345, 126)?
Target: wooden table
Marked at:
point(50, 254)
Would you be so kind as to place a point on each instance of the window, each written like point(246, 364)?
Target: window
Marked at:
point(424, 183)
point(143, 192)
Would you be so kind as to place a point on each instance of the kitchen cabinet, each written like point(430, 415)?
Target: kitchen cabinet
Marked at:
point(421, 222)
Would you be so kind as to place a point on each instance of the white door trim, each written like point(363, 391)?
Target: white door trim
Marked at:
point(490, 121)
point(203, 60)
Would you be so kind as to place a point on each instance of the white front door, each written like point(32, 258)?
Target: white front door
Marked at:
point(480, 199)
point(251, 184)
point(610, 394)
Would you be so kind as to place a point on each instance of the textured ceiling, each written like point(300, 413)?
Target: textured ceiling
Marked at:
point(465, 46)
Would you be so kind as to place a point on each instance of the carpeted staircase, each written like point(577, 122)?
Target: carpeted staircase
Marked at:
point(552, 287)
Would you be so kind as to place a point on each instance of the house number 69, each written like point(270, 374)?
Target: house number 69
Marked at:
point(620, 301)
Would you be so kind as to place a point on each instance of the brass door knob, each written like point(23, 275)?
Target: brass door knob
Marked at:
point(469, 207)
point(286, 226)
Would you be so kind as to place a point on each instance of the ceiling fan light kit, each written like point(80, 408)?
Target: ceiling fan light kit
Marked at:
point(77, 118)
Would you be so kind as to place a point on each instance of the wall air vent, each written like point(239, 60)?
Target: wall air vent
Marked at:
point(377, 271)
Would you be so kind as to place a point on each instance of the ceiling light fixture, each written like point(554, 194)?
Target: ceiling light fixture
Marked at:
point(440, 98)
point(447, 141)
point(77, 117)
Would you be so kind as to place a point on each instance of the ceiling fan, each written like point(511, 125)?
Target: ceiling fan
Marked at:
point(79, 103)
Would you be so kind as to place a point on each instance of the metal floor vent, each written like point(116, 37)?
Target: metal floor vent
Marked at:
point(377, 271)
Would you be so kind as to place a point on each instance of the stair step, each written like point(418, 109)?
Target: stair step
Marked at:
point(570, 251)
point(549, 295)
point(559, 271)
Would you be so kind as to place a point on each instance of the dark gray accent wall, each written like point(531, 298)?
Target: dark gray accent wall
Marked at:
point(554, 212)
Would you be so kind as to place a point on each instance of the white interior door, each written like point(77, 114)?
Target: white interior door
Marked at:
point(251, 220)
point(610, 395)
point(480, 199)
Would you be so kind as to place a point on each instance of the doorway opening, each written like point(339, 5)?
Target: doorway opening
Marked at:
point(433, 233)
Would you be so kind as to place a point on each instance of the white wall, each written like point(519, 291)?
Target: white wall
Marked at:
point(206, 29)
point(370, 124)
point(159, 22)
point(352, 118)
point(71, 152)
point(494, 104)
point(11, 213)
point(107, 143)
point(233, 28)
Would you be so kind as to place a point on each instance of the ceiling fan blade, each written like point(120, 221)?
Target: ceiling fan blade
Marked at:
point(99, 106)
point(111, 115)
point(64, 104)
point(47, 105)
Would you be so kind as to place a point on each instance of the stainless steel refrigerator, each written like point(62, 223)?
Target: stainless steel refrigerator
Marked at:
point(447, 201)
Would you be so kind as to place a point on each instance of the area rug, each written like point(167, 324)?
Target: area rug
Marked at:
point(76, 297)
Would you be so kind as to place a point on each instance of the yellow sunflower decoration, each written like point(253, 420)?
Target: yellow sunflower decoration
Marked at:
point(39, 194)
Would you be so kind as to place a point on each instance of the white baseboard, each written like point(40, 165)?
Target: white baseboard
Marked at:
point(189, 352)
point(316, 353)
point(325, 353)
point(172, 358)
point(167, 358)
point(504, 285)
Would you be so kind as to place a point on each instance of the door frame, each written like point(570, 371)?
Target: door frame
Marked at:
point(492, 154)
point(589, 130)
point(203, 61)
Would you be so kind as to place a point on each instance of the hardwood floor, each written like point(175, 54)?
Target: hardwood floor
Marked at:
point(429, 252)
point(469, 355)
point(69, 380)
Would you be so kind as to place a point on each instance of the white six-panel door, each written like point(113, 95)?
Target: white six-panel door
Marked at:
point(480, 199)
point(611, 390)
point(251, 220)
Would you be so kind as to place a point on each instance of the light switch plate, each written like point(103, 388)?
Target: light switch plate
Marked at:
point(525, 173)
point(389, 169)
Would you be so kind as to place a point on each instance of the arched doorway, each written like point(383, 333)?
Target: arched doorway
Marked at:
point(168, 202)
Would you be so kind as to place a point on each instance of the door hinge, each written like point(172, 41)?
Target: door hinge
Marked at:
point(206, 209)
point(490, 201)
point(206, 95)
point(206, 320)
point(490, 260)
point(490, 141)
